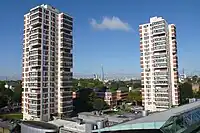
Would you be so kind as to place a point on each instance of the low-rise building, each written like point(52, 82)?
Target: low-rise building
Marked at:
point(70, 126)
point(195, 87)
point(111, 98)
point(38, 127)
point(122, 95)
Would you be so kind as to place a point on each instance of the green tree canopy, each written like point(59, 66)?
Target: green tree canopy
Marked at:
point(84, 101)
point(134, 96)
point(86, 83)
point(99, 104)
point(185, 92)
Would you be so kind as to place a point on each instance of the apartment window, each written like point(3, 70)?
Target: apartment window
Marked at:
point(45, 84)
point(53, 14)
point(46, 27)
point(45, 47)
point(45, 73)
point(145, 38)
point(46, 11)
point(45, 68)
point(148, 86)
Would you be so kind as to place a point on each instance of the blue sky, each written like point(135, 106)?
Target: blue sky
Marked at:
point(96, 42)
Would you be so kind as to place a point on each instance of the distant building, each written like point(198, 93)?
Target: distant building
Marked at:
point(182, 78)
point(122, 95)
point(111, 98)
point(195, 87)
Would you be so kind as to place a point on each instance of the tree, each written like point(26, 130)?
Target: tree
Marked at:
point(5, 95)
point(99, 104)
point(134, 96)
point(137, 85)
point(84, 101)
point(197, 94)
point(86, 83)
point(185, 92)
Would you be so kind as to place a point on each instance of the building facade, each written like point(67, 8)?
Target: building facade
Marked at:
point(47, 63)
point(159, 64)
point(122, 95)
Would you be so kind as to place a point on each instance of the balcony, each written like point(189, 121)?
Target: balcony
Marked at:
point(38, 25)
point(66, 26)
point(36, 21)
point(160, 65)
point(159, 48)
point(37, 10)
point(162, 90)
point(158, 74)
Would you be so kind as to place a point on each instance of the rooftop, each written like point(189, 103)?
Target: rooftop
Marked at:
point(165, 115)
point(69, 125)
point(39, 124)
point(5, 124)
point(154, 120)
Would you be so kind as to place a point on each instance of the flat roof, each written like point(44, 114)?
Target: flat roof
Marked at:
point(61, 122)
point(165, 115)
point(5, 124)
point(154, 120)
point(40, 125)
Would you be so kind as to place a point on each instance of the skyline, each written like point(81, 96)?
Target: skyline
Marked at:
point(109, 37)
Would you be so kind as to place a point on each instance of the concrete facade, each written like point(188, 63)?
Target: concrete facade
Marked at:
point(159, 64)
point(47, 63)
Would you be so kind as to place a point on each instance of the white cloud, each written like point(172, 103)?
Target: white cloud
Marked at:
point(113, 23)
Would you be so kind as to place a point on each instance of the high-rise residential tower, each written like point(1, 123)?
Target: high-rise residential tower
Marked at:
point(159, 64)
point(47, 64)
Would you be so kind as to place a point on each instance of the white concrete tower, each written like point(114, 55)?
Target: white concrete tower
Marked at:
point(159, 65)
point(47, 63)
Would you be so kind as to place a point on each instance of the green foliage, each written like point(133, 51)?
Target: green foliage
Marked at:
point(86, 83)
point(8, 96)
point(134, 96)
point(99, 104)
point(84, 101)
point(137, 85)
point(88, 101)
point(197, 94)
point(185, 92)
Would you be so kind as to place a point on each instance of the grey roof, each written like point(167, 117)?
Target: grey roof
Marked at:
point(5, 124)
point(90, 117)
point(165, 115)
point(39, 124)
